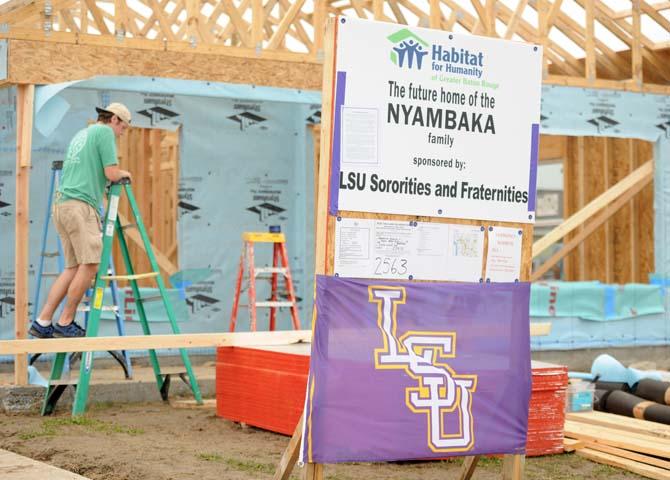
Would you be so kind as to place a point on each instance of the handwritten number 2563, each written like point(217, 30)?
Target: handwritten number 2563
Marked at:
point(394, 266)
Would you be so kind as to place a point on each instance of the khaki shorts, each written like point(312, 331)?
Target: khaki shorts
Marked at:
point(78, 226)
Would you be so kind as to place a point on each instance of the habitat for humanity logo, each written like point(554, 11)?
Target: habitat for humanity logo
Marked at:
point(408, 50)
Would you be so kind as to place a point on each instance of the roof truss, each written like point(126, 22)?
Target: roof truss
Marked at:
point(575, 51)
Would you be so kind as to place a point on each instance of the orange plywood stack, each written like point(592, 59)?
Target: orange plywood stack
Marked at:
point(263, 388)
point(547, 409)
point(266, 388)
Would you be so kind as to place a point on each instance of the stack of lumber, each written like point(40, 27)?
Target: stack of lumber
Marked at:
point(547, 409)
point(265, 387)
point(639, 446)
point(262, 387)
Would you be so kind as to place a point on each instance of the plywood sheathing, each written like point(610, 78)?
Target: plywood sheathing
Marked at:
point(61, 62)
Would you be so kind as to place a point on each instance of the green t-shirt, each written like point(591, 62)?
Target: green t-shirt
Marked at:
point(90, 151)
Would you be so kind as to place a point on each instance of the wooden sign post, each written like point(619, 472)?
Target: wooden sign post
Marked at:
point(326, 245)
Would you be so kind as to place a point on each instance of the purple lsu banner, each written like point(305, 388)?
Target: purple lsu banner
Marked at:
point(417, 370)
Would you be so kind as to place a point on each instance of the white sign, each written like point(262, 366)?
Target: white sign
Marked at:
point(503, 258)
point(434, 123)
point(408, 250)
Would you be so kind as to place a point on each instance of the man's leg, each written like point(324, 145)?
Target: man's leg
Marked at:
point(57, 293)
point(80, 283)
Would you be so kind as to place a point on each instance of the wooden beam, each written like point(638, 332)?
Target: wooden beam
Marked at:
point(322, 192)
point(286, 22)
point(589, 47)
point(358, 8)
point(648, 471)
point(69, 21)
point(632, 183)
point(13, 6)
point(513, 466)
point(633, 219)
point(120, 17)
point(605, 175)
point(51, 62)
point(18, 467)
point(659, 6)
point(552, 148)
point(609, 60)
point(543, 32)
point(319, 24)
point(290, 455)
point(25, 98)
point(435, 17)
point(626, 424)
point(625, 32)
point(151, 342)
point(227, 32)
point(528, 33)
point(313, 471)
point(448, 25)
point(468, 468)
point(490, 8)
point(97, 16)
point(637, 46)
point(378, 9)
point(397, 12)
point(257, 21)
point(513, 23)
point(606, 84)
point(165, 25)
point(553, 12)
point(579, 185)
point(481, 13)
point(621, 453)
point(655, 15)
point(642, 173)
point(236, 19)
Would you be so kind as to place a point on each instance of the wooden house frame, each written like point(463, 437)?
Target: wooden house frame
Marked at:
point(280, 43)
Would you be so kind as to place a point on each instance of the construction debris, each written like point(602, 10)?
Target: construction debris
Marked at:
point(639, 446)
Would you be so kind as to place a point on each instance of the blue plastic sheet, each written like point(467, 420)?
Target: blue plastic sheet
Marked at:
point(595, 301)
point(247, 163)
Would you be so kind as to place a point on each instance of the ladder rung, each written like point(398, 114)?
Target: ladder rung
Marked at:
point(72, 382)
point(136, 276)
point(128, 225)
point(50, 254)
point(50, 274)
point(261, 270)
point(151, 299)
point(274, 304)
point(105, 308)
point(265, 237)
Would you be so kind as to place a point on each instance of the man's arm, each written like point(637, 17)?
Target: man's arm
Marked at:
point(114, 173)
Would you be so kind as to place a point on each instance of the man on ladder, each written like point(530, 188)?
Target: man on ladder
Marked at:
point(90, 162)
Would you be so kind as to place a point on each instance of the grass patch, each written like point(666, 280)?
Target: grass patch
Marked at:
point(490, 462)
point(52, 426)
point(210, 457)
point(250, 466)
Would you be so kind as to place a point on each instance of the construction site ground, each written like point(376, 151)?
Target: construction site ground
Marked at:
point(154, 441)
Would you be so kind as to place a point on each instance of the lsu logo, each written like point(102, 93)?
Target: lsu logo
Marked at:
point(423, 356)
point(408, 49)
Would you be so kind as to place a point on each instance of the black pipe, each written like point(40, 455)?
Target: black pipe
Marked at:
point(627, 404)
point(654, 390)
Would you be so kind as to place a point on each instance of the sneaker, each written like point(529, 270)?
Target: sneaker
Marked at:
point(71, 330)
point(38, 331)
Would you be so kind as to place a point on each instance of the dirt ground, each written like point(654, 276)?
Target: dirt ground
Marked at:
point(158, 442)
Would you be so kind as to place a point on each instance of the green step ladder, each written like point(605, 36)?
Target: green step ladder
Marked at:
point(112, 225)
